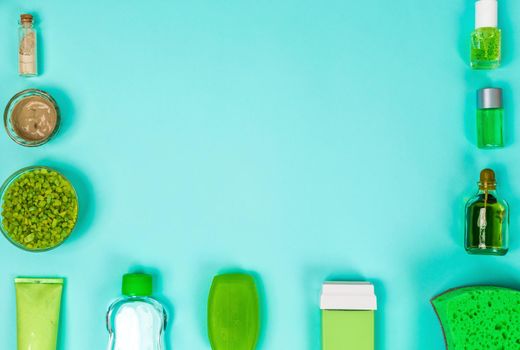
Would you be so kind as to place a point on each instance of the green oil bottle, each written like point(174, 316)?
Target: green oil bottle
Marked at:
point(487, 219)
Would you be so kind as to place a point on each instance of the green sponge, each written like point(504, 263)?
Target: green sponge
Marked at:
point(480, 317)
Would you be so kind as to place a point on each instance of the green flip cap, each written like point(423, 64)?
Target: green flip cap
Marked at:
point(137, 285)
point(348, 315)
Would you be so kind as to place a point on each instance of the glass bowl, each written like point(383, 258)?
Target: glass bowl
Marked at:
point(51, 211)
point(8, 113)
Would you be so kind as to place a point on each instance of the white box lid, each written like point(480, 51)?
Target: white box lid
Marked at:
point(348, 296)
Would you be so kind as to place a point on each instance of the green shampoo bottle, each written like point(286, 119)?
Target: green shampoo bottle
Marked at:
point(490, 118)
point(487, 37)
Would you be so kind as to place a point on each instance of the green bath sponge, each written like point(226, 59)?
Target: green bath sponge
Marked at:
point(480, 317)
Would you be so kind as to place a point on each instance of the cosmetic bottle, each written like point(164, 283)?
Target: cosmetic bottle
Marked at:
point(487, 219)
point(27, 50)
point(38, 304)
point(490, 118)
point(136, 321)
point(348, 315)
point(486, 39)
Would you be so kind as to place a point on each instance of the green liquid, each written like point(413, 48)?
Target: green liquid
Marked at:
point(489, 128)
point(486, 226)
point(485, 48)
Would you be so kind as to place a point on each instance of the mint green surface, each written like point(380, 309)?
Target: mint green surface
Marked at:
point(233, 313)
point(481, 317)
point(38, 303)
point(344, 330)
point(303, 140)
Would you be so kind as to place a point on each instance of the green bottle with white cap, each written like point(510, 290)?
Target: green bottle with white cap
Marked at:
point(486, 39)
point(348, 315)
point(136, 321)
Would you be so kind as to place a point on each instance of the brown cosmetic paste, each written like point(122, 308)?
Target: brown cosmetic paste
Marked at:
point(34, 118)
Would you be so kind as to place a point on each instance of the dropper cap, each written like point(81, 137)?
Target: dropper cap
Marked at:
point(487, 180)
point(486, 14)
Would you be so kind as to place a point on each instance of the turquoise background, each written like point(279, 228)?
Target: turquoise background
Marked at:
point(300, 140)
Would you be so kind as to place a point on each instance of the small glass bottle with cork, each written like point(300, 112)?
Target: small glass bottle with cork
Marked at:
point(487, 219)
point(27, 51)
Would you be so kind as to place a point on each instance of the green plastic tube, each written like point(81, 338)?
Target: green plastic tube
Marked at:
point(38, 302)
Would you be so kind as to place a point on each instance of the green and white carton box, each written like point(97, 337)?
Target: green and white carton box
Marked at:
point(347, 311)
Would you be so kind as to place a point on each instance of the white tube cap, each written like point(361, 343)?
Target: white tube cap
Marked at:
point(348, 296)
point(486, 13)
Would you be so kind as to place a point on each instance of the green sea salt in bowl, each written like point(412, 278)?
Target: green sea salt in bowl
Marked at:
point(39, 208)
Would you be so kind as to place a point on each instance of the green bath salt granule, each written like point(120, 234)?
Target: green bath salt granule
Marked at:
point(39, 209)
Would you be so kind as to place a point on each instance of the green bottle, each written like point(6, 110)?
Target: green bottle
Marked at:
point(487, 219)
point(490, 118)
point(486, 39)
point(233, 313)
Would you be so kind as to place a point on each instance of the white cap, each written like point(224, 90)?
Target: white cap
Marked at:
point(486, 13)
point(348, 296)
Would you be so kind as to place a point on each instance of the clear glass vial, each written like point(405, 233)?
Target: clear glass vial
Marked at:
point(27, 50)
point(490, 118)
point(487, 219)
point(487, 37)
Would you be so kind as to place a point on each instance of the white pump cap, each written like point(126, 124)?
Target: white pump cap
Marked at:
point(486, 13)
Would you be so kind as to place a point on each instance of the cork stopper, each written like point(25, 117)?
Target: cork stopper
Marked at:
point(487, 180)
point(26, 18)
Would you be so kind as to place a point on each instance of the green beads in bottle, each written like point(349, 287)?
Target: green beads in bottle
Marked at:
point(486, 40)
point(485, 48)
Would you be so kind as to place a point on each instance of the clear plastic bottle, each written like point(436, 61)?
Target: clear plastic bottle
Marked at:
point(136, 321)
point(27, 50)
point(487, 219)
point(486, 40)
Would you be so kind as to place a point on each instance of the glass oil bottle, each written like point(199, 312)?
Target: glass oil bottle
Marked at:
point(487, 219)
